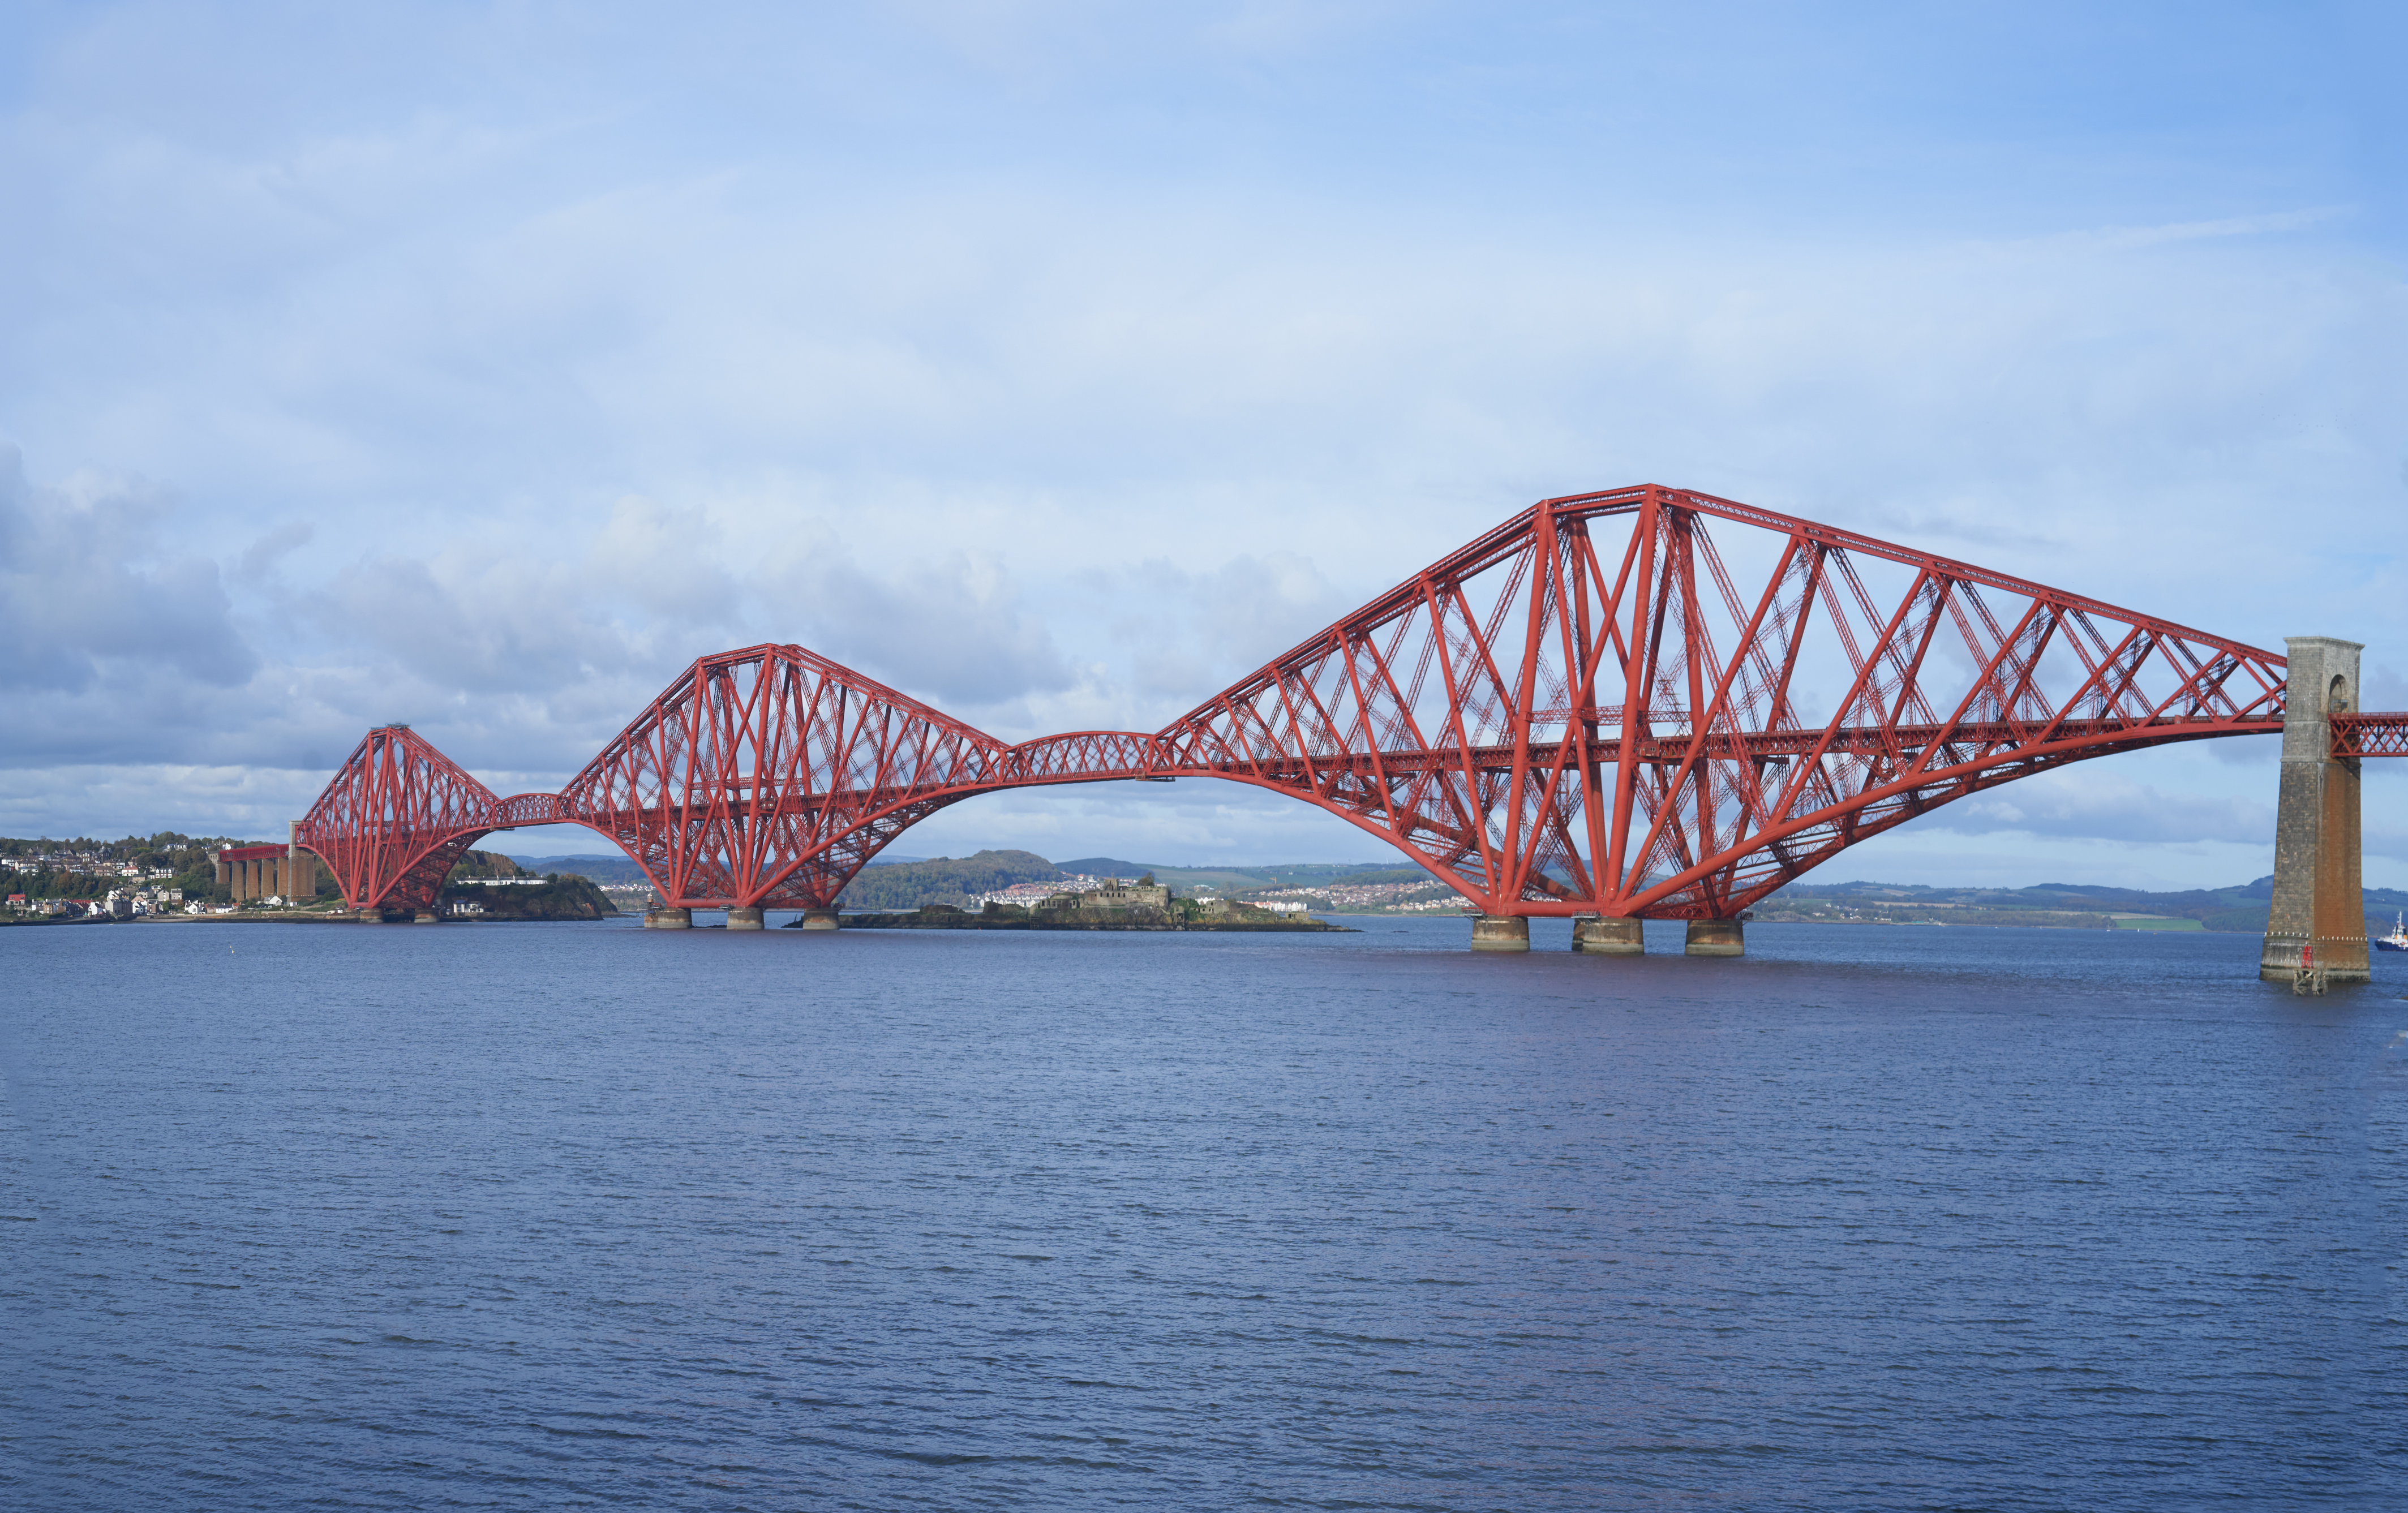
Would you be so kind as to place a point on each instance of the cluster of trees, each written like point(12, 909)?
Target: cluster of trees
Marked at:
point(488, 864)
point(561, 895)
point(1371, 876)
point(907, 885)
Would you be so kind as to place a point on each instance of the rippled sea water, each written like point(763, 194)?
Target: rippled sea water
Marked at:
point(571, 1215)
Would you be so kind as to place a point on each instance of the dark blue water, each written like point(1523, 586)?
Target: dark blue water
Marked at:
point(570, 1216)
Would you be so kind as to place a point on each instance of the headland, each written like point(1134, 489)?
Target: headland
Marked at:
point(1114, 905)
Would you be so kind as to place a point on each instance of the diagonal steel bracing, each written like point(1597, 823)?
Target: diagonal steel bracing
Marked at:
point(1642, 702)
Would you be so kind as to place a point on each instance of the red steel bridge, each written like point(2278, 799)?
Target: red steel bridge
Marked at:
point(1644, 702)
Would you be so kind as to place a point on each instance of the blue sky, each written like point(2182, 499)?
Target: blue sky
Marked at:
point(478, 365)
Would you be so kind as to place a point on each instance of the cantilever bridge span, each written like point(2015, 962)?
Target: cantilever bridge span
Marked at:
point(1644, 703)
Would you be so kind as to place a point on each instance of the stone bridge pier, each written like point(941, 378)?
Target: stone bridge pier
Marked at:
point(2318, 917)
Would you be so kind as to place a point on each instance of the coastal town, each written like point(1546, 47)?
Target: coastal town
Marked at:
point(46, 879)
point(1342, 897)
point(170, 875)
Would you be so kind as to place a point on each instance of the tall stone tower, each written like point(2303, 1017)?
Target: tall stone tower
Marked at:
point(2319, 909)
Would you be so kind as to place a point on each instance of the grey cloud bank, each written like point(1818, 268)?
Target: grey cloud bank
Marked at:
point(1058, 365)
point(96, 606)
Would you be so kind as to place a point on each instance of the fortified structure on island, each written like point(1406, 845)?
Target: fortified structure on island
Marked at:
point(1594, 711)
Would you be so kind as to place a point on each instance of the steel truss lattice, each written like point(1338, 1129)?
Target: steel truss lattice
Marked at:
point(1646, 702)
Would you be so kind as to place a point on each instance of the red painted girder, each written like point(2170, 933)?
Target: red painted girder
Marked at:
point(527, 809)
point(1998, 743)
point(743, 783)
point(1511, 537)
point(1494, 757)
point(1665, 749)
point(1523, 815)
point(392, 813)
point(2370, 735)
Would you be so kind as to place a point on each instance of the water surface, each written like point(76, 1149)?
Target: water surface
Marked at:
point(592, 1216)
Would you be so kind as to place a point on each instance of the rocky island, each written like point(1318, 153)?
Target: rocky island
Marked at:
point(1143, 905)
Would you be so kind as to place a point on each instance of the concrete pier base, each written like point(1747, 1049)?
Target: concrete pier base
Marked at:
point(2317, 921)
point(1593, 935)
point(744, 918)
point(426, 917)
point(818, 920)
point(1500, 931)
point(1716, 938)
point(668, 920)
point(371, 916)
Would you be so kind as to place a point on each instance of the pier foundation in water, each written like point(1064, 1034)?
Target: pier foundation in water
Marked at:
point(1716, 938)
point(1500, 931)
point(1595, 935)
point(818, 920)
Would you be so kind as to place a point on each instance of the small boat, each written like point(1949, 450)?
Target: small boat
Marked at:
point(2397, 938)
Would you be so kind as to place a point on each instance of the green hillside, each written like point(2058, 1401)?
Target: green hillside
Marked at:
point(943, 880)
point(1238, 880)
point(2240, 909)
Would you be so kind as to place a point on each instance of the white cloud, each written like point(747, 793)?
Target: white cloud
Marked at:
point(1190, 631)
point(2092, 802)
point(105, 800)
point(950, 623)
point(661, 561)
point(473, 626)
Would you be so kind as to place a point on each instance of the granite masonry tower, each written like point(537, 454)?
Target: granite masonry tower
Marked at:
point(2319, 914)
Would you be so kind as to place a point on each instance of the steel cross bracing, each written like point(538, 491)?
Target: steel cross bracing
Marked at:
point(1596, 708)
point(2366, 736)
point(399, 814)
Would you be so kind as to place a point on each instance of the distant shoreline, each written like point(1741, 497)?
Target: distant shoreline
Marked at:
point(976, 921)
point(345, 917)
